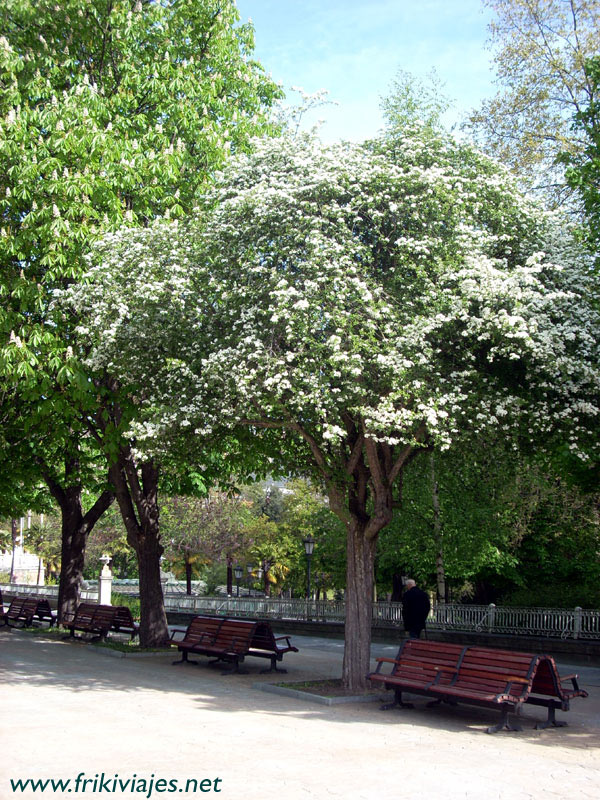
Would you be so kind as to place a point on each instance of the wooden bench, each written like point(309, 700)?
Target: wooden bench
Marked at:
point(416, 667)
point(265, 644)
point(228, 640)
point(20, 612)
point(492, 678)
point(205, 634)
point(547, 690)
point(44, 612)
point(24, 610)
point(124, 623)
point(480, 676)
point(102, 619)
point(92, 618)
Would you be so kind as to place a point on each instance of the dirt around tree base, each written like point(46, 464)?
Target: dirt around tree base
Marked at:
point(331, 687)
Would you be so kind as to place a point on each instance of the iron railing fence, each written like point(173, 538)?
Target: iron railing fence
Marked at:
point(576, 623)
point(22, 589)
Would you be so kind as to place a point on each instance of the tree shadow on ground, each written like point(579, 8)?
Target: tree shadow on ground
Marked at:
point(77, 668)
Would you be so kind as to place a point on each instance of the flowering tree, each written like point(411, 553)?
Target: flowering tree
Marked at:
point(356, 305)
point(111, 113)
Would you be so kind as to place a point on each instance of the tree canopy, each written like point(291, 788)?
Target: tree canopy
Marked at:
point(111, 114)
point(360, 304)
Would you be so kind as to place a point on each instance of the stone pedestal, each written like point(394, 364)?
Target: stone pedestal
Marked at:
point(105, 584)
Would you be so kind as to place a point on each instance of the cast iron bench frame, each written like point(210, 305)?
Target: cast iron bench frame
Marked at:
point(227, 639)
point(25, 610)
point(481, 676)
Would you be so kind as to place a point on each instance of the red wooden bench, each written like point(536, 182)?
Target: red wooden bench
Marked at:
point(265, 644)
point(124, 623)
point(24, 610)
point(228, 640)
point(481, 676)
point(416, 667)
point(547, 690)
point(202, 633)
point(492, 678)
point(21, 612)
point(92, 618)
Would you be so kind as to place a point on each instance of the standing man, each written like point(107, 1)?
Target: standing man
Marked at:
point(415, 608)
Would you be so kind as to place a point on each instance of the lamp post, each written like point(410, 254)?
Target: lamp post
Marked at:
point(238, 571)
point(249, 569)
point(229, 576)
point(309, 545)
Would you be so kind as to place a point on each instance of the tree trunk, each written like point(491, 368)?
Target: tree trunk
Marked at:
point(437, 534)
point(75, 529)
point(72, 554)
point(360, 553)
point(138, 503)
point(153, 618)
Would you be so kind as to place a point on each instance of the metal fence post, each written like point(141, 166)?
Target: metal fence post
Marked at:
point(577, 622)
point(492, 617)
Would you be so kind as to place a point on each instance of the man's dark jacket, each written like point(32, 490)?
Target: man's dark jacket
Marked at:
point(415, 608)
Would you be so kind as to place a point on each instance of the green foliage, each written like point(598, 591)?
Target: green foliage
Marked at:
point(97, 132)
point(132, 603)
point(412, 103)
point(111, 114)
point(477, 531)
point(204, 530)
point(511, 532)
point(541, 47)
point(307, 513)
point(45, 541)
point(583, 166)
point(108, 537)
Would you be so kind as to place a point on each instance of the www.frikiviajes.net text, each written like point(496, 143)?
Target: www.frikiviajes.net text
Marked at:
point(101, 783)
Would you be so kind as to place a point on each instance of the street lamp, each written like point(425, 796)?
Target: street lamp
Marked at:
point(309, 546)
point(249, 569)
point(238, 572)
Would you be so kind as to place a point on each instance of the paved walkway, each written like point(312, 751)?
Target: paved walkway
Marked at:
point(68, 709)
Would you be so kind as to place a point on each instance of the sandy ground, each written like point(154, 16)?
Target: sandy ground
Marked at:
point(68, 710)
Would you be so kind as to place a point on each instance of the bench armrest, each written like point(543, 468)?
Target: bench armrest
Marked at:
point(573, 678)
point(381, 661)
point(175, 631)
point(443, 671)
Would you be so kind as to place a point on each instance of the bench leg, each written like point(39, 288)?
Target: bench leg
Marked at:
point(397, 703)
point(273, 667)
point(550, 721)
point(229, 666)
point(504, 723)
point(441, 700)
point(184, 658)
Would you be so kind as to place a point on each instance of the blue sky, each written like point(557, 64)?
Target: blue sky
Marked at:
point(354, 49)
